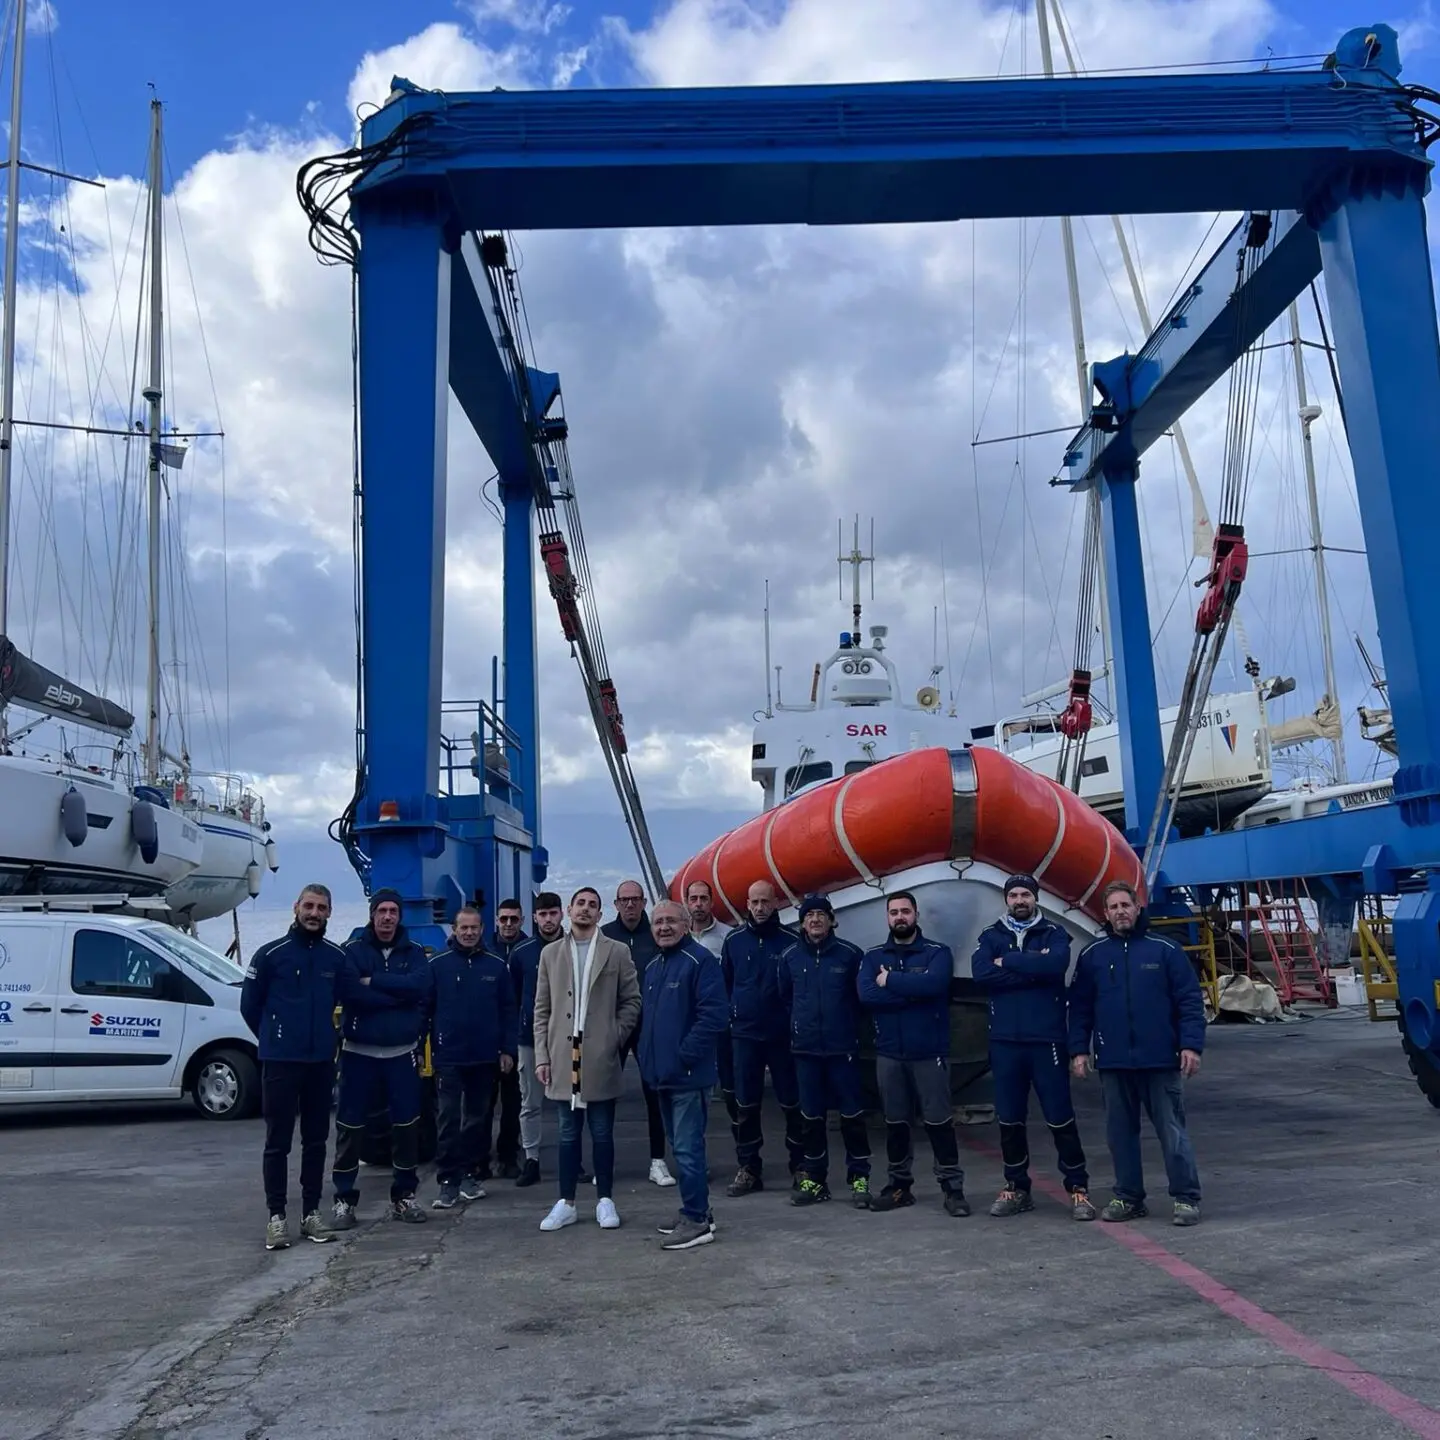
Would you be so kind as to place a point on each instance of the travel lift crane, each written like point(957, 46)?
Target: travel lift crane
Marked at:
point(1333, 155)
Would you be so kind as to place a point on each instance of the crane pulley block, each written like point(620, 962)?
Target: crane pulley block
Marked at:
point(1229, 560)
point(610, 708)
point(1076, 718)
point(563, 586)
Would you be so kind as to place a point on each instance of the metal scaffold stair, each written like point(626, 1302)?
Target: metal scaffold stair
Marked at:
point(1377, 964)
point(1289, 943)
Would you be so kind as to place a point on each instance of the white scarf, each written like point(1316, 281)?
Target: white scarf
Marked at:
point(580, 960)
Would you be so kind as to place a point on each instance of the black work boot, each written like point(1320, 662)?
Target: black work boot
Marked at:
point(956, 1204)
point(745, 1182)
point(892, 1197)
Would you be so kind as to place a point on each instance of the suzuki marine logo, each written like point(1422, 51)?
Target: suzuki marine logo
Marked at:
point(127, 1027)
point(62, 695)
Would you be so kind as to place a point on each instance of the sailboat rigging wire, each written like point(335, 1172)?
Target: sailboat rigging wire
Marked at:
point(552, 457)
point(1211, 630)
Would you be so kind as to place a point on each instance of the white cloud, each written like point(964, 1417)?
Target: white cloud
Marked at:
point(730, 394)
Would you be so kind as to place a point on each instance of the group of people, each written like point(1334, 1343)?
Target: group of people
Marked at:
point(557, 1014)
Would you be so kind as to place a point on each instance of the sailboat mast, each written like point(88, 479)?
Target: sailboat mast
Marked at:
point(152, 394)
point(1077, 316)
point(1308, 416)
point(7, 335)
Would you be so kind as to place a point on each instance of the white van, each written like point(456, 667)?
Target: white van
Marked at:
point(111, 1007)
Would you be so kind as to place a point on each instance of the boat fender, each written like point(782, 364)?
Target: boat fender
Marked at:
point(74, 821)
point(252, 879)
point(272, 856)
point(145, 830)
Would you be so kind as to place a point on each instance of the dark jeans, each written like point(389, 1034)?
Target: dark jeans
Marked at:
point(909, 1085)
point(291, 1089)
point(466, 1103)
point(832, 1082)
point(751, 1059)
point(685, 1113)
point(1161, 1095)
point(394, 1086)
point(599, 1117)
point(507, 1142)
point(1017, 1068)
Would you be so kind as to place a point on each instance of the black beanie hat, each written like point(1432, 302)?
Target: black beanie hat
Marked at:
point(382, 895)
point(816, 902)
point(1023, 882)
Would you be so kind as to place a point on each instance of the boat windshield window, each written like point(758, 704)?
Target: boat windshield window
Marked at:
point(193, 953)
point(851, 766)
point(797, 777)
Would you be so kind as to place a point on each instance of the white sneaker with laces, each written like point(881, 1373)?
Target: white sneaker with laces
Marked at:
point(659, 1175)
point(607, 1216)
point(563, 1213)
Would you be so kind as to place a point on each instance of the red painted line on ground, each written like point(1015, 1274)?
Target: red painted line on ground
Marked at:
point(1418, 1418)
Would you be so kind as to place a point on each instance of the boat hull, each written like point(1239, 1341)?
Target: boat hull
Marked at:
point(221, 881)
point(37, 859)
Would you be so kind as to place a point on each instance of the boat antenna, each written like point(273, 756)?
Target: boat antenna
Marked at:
point(855, 560)
point(945, 604)
point(769, 698)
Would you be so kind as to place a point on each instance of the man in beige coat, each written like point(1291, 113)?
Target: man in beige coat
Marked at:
point(587, 1004)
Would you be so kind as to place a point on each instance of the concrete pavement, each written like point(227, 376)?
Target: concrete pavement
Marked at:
point(139, 1301)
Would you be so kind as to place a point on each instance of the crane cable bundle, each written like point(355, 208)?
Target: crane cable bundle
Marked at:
point(1229, 555)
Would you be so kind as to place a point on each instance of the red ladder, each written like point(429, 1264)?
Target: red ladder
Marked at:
point(1299, 974)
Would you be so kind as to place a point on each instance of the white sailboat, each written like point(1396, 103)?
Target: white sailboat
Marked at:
point(90, 814)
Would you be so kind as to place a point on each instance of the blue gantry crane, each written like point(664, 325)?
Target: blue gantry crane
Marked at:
point(1326, 162)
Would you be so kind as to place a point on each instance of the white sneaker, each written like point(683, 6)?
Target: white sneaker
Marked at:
point(607, 1215)
point(560, 1216)
point(659, 1175)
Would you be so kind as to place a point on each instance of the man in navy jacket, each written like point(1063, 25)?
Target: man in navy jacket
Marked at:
point(384, 989)
point(818, 987)
point(751, 957)
point(1020, 964)
point(905, 984)
point(684, 998)
point(473, 1042)
point(548, 915)
point(288, 1000)
point(1137, 996)
point(631, 927)
point(509, 937)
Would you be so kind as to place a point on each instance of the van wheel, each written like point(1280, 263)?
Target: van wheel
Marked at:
point(227, 1086)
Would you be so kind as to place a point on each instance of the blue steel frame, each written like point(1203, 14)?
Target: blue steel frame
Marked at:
point(1332, 153)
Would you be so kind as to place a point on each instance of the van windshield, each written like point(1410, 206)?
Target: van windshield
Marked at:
point(194, 954)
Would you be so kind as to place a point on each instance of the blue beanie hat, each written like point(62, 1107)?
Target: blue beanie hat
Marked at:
point(1023, 882)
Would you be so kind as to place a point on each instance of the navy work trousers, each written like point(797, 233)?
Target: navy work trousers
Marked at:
point(291, 1089)
point(464, 1110)
point(832, 1082)
point(1018, 1067)
point(367, 1084)
point(751, 1059)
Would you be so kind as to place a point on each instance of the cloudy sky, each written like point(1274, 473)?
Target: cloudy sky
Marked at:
point(731, 393)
